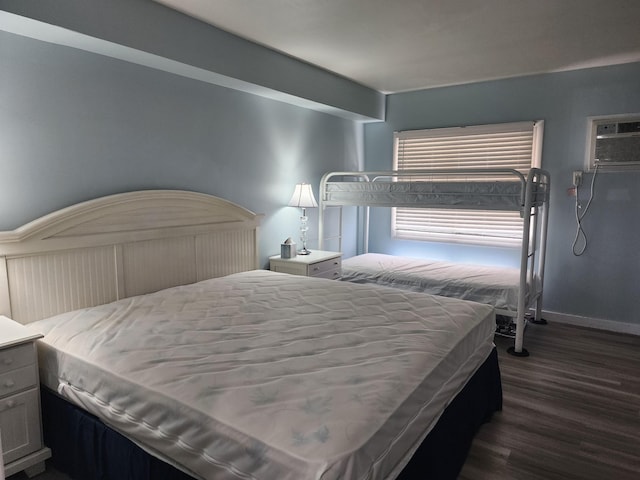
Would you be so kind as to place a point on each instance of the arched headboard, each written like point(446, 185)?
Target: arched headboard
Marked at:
point(122, 245)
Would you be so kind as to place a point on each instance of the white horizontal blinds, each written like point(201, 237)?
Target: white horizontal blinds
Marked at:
point(486, 146)
point(477, 227)
point(503, 146)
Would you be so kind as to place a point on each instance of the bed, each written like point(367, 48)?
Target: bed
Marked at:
point(514, 292)
point(167, 354)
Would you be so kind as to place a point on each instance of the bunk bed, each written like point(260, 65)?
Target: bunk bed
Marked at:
point(483, 189)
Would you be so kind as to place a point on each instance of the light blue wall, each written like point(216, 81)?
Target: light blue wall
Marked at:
point(76, 125)
point(150, 28)
point(602, 283)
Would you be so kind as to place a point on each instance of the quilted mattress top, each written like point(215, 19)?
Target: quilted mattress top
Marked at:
point(264, 375)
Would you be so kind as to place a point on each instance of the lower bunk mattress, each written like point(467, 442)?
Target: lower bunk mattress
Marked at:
point(496, 286)
point(263, 375)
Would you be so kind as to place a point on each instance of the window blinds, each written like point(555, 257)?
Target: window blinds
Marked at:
point(509, 146)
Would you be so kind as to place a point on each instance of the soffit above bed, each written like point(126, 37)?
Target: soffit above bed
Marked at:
point(148, 34)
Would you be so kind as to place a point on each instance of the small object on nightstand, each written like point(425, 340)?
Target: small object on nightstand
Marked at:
point(316, 264)
point(20, 421)
point(288, 249)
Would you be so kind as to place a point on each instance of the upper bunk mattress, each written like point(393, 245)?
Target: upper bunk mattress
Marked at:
point(499, 195)
point(496, 286)
point(262, 375)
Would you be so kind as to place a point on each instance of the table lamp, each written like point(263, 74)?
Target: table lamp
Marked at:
point(303, 198)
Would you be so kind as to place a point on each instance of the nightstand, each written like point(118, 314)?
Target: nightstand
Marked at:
point(20, 421)
point(316, 264)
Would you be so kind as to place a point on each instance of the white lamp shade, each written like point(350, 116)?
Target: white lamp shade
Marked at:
point(303, 197)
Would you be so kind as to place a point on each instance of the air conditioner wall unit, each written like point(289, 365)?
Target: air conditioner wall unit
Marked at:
point(614, 143)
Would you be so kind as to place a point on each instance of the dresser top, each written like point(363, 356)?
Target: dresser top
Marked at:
point(314, 256)
point(13, 333)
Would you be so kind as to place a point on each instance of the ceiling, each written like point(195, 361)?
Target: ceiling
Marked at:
point(403, 45)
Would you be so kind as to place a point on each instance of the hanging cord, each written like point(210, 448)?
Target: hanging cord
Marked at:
point(579, 216)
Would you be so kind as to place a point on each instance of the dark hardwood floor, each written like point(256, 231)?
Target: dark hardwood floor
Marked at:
point(571, 410)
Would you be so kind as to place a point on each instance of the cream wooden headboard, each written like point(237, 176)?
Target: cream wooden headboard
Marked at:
point(119, 246)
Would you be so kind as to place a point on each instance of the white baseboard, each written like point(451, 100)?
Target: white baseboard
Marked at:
point(599, 323)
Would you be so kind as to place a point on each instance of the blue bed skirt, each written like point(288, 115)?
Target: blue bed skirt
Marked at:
point(86, 449)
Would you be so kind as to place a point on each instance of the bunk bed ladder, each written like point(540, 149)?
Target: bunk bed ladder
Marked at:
point(532, 232)
point(543, 209)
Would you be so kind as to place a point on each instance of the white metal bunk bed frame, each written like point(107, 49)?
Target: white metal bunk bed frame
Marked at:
point(533, 208)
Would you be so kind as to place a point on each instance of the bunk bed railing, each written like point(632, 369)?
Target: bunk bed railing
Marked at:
point(429, 188)
point(367, 191)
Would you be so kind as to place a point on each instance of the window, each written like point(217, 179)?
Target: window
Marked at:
point(509, 146)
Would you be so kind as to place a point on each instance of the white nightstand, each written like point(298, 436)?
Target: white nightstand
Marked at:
point(20, 421)
point(316, 264)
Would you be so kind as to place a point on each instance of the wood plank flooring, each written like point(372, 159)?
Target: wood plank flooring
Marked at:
point(571, 410)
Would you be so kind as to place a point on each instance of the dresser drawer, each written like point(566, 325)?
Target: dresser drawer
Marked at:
point(18, 379)
point(320, 268)
point(318, 263)
point(291, 268)
point(332, 274)
point(20, 424)
point(16, 357)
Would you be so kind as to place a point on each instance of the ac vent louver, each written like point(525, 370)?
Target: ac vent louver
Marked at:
point(615, 144)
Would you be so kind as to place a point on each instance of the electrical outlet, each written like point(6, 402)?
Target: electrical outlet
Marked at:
point(577, 178)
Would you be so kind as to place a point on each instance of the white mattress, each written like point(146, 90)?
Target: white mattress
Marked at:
point(262, 375)
point(496, 286)
point(501, 195)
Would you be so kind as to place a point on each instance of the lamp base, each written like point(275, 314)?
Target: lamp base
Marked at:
point(304, 251)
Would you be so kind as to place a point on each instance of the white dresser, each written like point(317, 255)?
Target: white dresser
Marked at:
point(20, 419)
point(317, 264)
